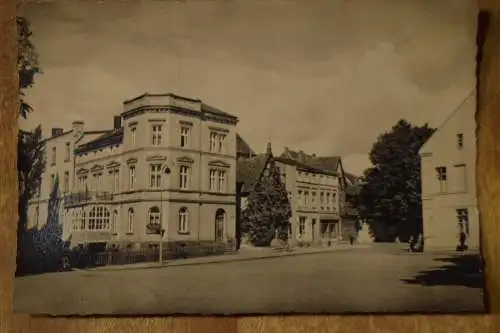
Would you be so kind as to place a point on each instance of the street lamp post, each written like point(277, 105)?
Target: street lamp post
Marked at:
point(164, 170)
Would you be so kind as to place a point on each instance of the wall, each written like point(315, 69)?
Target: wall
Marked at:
point(441, 150)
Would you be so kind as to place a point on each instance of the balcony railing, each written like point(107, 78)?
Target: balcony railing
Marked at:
point(87, 196)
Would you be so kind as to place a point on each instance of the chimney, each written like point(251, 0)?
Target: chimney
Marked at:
point(117, 122)
point(77, 126)
point(302, 158)
point(286, 151)
point(269, 151)
point(56, 131)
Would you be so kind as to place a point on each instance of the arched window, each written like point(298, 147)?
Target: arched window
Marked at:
point(130, 216)
point(99, 218)
point(154, 215)
point(183, 226)
point(220, 218)
point(114, 221)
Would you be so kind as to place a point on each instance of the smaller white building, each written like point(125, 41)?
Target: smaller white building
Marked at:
point(448, 169)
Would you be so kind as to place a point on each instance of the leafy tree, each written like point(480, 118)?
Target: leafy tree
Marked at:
point(390, 199)
point(268, 211)
point(30, 164)
point(27, 62)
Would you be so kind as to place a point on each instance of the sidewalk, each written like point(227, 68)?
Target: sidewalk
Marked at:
point(242, 255)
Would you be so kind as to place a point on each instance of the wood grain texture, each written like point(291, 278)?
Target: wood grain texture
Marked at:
point(488, 176)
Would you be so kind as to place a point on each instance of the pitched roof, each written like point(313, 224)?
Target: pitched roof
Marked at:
point(304, 166)
point(248, 170)
point(324, 163)
point(210, 109)
point(204, 107)
point(107, 139)
point(242, 147)
point(352, 179)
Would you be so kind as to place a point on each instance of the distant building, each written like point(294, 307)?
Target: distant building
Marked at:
point(315, 188)
point(168, 160)
point(448, 172)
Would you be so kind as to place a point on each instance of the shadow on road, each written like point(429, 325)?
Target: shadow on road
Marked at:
point(458, 270)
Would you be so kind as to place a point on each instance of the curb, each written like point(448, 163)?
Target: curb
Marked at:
point(215, 261)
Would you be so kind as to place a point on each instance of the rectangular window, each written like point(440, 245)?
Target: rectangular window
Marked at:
point(116, 180)
point(442, 178)
point(156, 131)
point(302, 226)
point(52, 181)
point(185, 130)
point(184, 177)
point(54, 157)
point(82, 180)
point(300, 198)
point(213, 141)
point(155, 176)
point(222, 181)
point(133, 132)
point(131, 177)
point(68, 152)
point(460, 140)
point(463, 220)
point(66, 182)
point(221, 138)
point(460, 178)
point(313, 199)
point(213, 180)
point(97, 186)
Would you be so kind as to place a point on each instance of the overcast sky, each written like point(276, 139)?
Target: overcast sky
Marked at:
point(322, 76)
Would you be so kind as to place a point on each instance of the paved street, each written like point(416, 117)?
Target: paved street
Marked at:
point(358, 280)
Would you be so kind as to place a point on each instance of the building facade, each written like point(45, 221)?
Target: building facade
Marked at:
point(448, 170)
point(168, 163)
point(315, 191)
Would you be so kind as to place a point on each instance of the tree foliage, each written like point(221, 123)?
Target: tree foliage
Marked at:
point(27, 62)
point(390, 199)
point(30, 163)
point(268, 209)
point(45, 245)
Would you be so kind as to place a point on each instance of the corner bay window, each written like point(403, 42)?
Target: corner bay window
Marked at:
point(156, 134)
point(184, 177)
point(155, 176)
point(154, 216)
point(184, 139)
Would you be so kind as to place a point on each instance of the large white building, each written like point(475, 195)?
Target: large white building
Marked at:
point(448, 161)
point(168, 161)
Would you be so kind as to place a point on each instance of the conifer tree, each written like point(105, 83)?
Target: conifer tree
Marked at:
point(268, 209)
point(48, 242)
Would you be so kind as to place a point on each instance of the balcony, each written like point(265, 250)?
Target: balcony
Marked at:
point(80, 198)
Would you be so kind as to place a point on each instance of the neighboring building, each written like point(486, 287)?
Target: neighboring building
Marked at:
point(243, 149)
point(171, 163)
point(448, 171)
point(315, 188)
